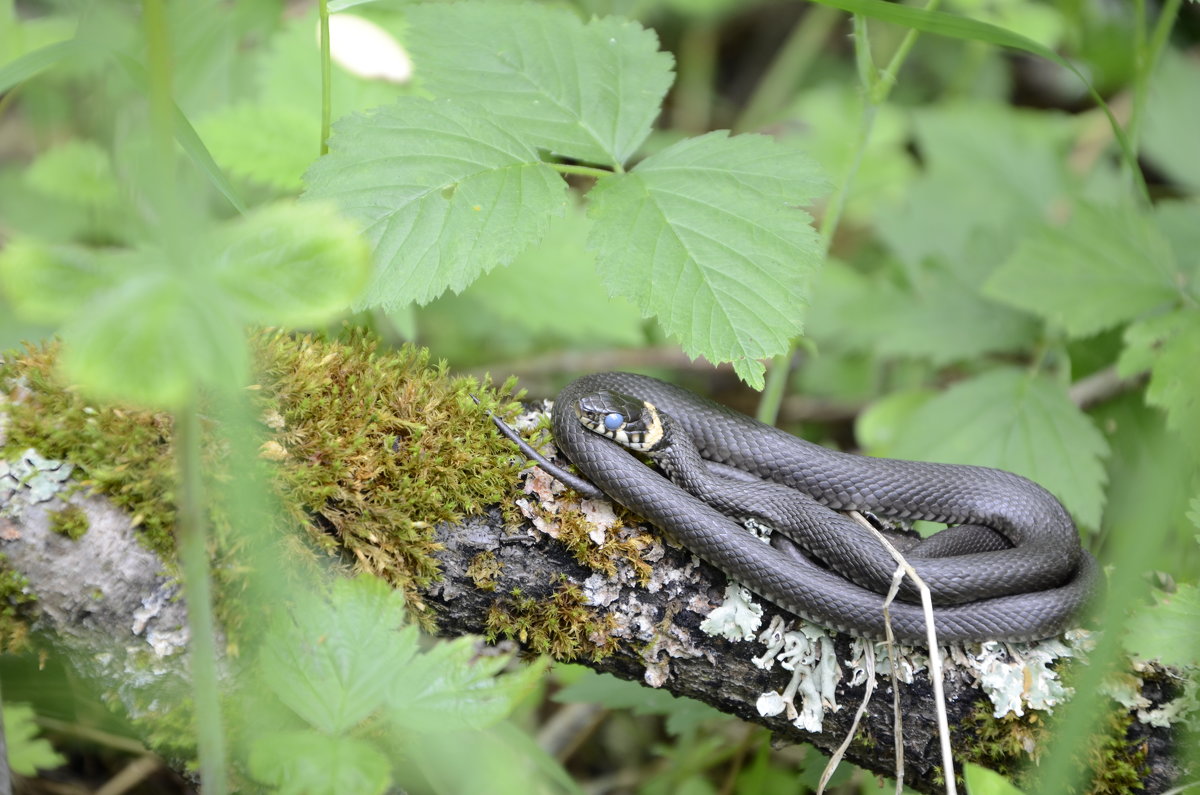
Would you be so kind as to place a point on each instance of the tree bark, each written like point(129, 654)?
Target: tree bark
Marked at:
point(105, 593)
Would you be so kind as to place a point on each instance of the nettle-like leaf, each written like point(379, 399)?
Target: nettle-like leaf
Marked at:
point(1107, 265)
point(27, 753)
point(142, 327)
point(443, 193)
point(1158, 630)
point(585, 91)
point(306, 762)
point(450, 688)
point(291, 264)
point(559, 272)
point(1008, 419)
point(331, 659)
point(1167, 346)
point(707, 236)
point(270, 144)
point(76, 171)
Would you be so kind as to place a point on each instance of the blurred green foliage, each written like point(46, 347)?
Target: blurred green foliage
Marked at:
point(990, 280)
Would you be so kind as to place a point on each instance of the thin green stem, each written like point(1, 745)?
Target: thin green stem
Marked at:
point(161, 186)
point(876, 89)
point(887, 79)
point(197, 591)
point(326, 77)
point(789, 67)
point(587, 171)
point(1146, 55)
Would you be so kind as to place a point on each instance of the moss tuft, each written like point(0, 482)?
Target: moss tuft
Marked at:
point(15, 600)
point(484, 570)
point(1008, 744)
point(563, 625)
point(574, 532)
point(122, 452)
point(379, 449)
point(70, 521)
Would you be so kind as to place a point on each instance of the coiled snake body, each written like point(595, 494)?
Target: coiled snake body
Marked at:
point(1026, 578)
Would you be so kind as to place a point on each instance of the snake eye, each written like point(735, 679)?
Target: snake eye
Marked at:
point(613, 421)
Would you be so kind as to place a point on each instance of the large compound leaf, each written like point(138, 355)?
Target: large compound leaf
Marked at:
point(707, 236)
point(1008, 419)
point(1107, 265)
point(589, 92)
point(444, 195)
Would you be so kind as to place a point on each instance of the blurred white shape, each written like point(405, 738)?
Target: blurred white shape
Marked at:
point(363, 48)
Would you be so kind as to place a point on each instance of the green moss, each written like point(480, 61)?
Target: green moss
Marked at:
point(380, 449)
point(484, 570)
point(71, 522)
point(563, 626)
point(574, 532)
point(15, 600)
point(1007, 745)
point(121, 452)
point(377, 448)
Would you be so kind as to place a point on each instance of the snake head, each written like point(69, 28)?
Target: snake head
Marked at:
point(632, 423)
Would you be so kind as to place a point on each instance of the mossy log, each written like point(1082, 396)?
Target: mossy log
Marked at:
point(615, 597)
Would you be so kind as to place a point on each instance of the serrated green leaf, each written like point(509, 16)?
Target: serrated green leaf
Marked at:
point(444, 195)
point(268, 144)
point(331, 659)
point(449, 688)
point(27, 753)
point(77, 171)
point(826, 119)
point(1161, 631)
point(1008, 419)
point(1179, 223)
point(53, 283)
point(877, 426)
point(308, 763)
point(588, 92)
point(153, 339)
point(1166, 346)
point(682, 714)
point(1173, 118)
point(292, 264)
point(943, 320)
point(552, 289)
point(987, 170)
point(982, 781)
point(1105, 266)
point(707, 237)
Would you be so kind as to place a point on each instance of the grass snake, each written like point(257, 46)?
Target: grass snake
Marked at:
point(1010, 566)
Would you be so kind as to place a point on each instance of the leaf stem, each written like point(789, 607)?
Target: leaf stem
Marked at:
point(876, 87)
point(197, 591)
point(587, 171)
point(326, 77)
point(789, 67)
point(1146, 57)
